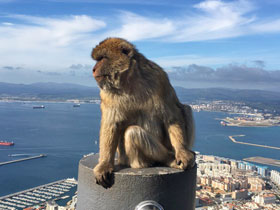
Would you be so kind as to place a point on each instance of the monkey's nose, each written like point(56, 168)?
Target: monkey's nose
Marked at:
point(93, 72)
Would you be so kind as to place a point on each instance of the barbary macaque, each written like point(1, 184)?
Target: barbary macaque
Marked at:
point(142, 118)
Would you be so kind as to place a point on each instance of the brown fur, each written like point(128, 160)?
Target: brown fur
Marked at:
point(142, 118)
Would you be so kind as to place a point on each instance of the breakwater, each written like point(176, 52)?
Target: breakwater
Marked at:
point(22, 159)
point(251, 144)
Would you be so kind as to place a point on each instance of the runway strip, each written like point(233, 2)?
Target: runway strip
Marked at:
point(263, 160)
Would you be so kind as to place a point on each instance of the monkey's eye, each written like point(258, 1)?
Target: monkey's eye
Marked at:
point(100, 58)
point(125, 51)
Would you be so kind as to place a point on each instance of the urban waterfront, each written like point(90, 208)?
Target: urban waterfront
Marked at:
point(65, 133)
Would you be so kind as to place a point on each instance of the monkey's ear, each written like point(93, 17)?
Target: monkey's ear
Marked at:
point(127, 49)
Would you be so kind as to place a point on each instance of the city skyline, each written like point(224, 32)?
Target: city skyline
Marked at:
point(211, 43)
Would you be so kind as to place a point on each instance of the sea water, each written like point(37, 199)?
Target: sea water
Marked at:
point(65, 133)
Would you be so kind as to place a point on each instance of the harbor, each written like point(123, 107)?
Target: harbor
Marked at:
point(38, 195)
point(23, 159)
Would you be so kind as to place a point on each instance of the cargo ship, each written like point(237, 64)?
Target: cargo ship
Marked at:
point(39, 107)
point(6, 143)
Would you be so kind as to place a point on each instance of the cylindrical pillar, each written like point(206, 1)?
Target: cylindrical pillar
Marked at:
point(173, 189)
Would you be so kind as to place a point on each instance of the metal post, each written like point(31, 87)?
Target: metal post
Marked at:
point(168, 188)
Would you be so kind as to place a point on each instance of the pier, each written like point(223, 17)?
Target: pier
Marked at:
point(251, 144)
point(22, 159)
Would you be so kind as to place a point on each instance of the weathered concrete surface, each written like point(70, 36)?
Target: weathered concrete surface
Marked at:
point(173, 189)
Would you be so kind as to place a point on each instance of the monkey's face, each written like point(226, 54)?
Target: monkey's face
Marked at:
point(113, 59)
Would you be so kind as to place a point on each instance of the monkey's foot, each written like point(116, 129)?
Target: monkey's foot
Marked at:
point(183, 160)
point(103, 173)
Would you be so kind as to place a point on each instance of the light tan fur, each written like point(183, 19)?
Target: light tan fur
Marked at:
point(142, 118)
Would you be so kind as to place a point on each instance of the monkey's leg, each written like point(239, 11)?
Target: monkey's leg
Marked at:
point(143, 149)
point(122, 157)
point(189, 125)
point(109, 139)
point(184, 157)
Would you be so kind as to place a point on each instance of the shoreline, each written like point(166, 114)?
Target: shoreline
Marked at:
point(96, 101)
point(235, 123)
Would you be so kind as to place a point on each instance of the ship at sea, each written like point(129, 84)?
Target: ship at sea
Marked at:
point(223, 123)
point(39, 107)
point(76, 105)
point(6, 143)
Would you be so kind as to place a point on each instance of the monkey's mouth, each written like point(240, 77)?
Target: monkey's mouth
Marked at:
point(99, 78)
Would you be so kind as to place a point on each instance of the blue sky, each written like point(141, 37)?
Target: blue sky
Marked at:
point(210, 43)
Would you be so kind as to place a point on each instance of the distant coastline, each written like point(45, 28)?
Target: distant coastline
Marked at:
point(28, 100)
point(251, 122)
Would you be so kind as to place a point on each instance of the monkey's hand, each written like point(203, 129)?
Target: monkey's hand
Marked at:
point(184, 159)
point(103, 173)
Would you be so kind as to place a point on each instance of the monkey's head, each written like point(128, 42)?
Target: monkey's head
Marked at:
point(113, 61)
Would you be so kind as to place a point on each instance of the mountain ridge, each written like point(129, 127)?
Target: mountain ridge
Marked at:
point(51, 89)
point(259, 99)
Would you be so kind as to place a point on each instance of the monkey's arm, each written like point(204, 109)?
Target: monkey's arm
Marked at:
point(109, 138)
point(183, 156)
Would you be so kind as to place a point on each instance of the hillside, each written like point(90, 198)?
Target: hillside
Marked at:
point(62, 91)
point(48, 91)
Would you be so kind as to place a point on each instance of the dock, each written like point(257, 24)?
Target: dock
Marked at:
point(251, 144)
point(263, 160)
point(38, 195)
point(22, 159)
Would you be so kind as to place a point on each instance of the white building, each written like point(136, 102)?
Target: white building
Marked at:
point(265, 199)
point(275, 177)
point(52, 205)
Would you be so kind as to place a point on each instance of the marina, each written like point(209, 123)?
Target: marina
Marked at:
point(38, 195)
point(22, 159)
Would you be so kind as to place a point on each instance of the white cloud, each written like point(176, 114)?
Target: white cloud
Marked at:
point(135, 27)
point(211, 20)
point(47, 41)
point(57, 42)
point(215, 20)
point(232, 73)
point(59, 31)
point(184, 60)
point(7, 24)
point(266, 26)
